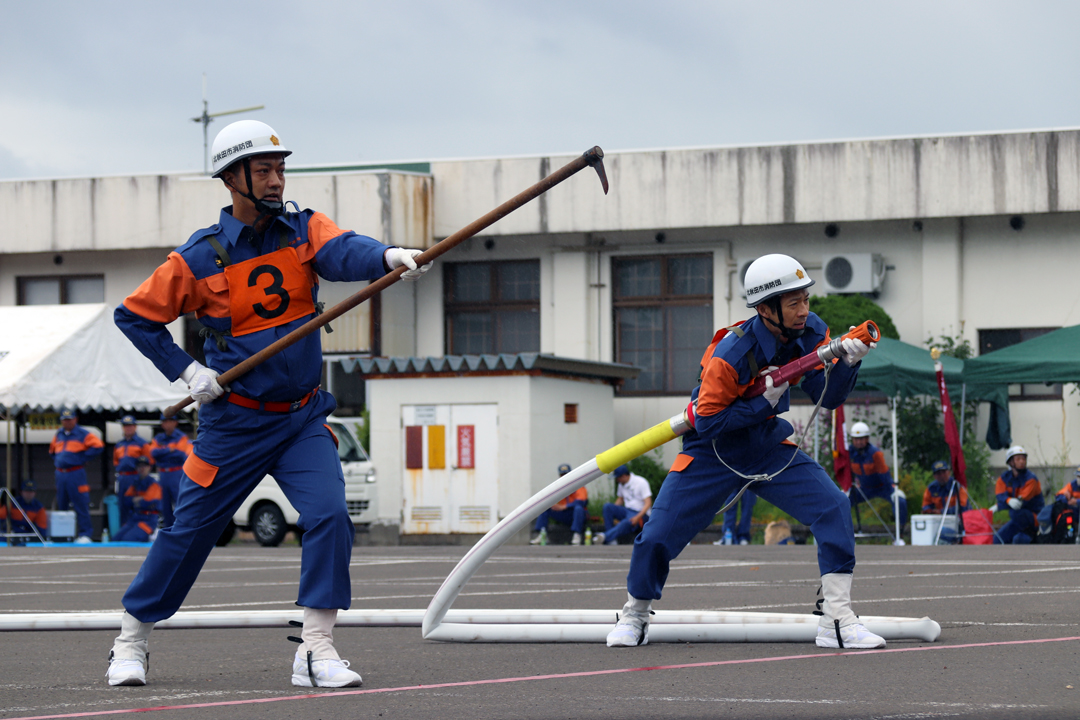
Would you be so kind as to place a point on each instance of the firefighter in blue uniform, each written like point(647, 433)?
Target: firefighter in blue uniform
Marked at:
point(126, 453)
point(870, 476)
point(170, 450)
point(251, 279)
point(143, 501)
point(735, 436)
point(1018, 491)
point(71, 447)
point(30, 515)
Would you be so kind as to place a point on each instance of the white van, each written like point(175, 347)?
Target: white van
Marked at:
point(269, 515)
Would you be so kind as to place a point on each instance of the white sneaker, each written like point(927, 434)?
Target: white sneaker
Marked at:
point(323, 673)
point(854, 637)
point(126, 672)
point(598, 539)
point(744, 541)
point(576, 539)
point(83, 540)
point(631, 630)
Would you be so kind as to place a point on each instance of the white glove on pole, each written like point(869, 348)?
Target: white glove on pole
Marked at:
point(1015, 503)
point(774, 393)
point(855, 350)
point(396, 257)
point(202, 383)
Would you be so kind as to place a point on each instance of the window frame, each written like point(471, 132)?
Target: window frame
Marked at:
point(1053, 392)
point(494, 306)
point(21, 280)
point(665, 301)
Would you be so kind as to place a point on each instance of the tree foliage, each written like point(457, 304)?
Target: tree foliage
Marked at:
point(840, 312)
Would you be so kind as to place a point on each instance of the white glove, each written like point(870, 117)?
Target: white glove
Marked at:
point(855, 350)
point(396, 257)
point(774, 393)
point(1015, 503)
point(993, 509)
point(202, 383)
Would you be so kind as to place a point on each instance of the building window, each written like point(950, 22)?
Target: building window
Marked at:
point(492, 307)
point(663, 320)
point(61, 289)
point(990, 340)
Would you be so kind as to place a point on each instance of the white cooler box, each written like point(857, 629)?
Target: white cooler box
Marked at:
point(924, 528)
point(61, 524)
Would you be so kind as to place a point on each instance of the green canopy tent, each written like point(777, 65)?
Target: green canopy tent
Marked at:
point(1049, 359)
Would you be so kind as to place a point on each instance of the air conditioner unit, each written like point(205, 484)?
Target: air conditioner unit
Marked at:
point(741, 265)
point(853, 273)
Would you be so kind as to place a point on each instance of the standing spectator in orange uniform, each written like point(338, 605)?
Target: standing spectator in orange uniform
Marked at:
point(72, 446)
point(125, 454)
point(170, 450)
point(572, 510)
point(32, 512)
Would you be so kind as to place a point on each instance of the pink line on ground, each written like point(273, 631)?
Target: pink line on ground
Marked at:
point(558, 676)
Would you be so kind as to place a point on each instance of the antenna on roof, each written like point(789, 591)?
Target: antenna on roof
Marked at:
point(205, 119)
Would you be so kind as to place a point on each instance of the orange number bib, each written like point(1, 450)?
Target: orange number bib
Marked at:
point(268, 291)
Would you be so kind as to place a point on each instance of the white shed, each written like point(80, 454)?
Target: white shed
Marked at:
point(460, 441)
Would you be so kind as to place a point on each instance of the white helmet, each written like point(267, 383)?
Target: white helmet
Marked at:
point(242, 139)
point(860, 429)
point(1014, 450)
point(773, 275)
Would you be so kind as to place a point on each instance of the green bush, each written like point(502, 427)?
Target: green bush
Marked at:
point(840, 312)
point(651, 467)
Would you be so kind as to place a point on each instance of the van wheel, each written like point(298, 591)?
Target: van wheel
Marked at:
point(226, 535)
point(268, 525)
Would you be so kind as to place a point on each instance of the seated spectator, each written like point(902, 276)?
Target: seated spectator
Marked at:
point(32, 512)
point(778, 532)
point(1018, 490)
point(1065, 516)
point(633, 500)
point(143, 497)
point(944, 488)
point(572, 510)
point(870, 476)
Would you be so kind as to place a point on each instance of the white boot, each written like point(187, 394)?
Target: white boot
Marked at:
point(130, 655)
point(633, 626)
point(839, 626)
point(317, 663)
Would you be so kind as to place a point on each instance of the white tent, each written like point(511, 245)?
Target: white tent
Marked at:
point(54, 356)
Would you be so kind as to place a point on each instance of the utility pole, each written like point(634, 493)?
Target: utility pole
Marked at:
point(205, 119)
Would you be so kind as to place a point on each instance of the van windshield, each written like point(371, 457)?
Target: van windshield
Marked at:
point(348, 449)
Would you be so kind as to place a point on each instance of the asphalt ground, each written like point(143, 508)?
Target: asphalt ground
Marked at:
point(1008, 649)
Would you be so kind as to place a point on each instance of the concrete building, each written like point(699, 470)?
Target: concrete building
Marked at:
point(969, 235)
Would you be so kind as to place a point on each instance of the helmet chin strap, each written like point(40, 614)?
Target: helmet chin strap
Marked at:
point(788, 333)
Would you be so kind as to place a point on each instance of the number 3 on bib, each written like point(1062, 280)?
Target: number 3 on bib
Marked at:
point(268, 291)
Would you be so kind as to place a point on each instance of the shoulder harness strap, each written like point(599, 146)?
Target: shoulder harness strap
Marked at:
point(223, 255)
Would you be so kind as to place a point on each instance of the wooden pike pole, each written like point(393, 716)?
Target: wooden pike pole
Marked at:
point(591, 158)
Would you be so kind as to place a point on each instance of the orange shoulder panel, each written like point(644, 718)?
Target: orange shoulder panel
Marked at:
point(879, 462)
point(1030, 489)
point(719, 387)
point(93, 441)
point(167, 294)
point(963, 495)
point(321, 229)
point(999, 487)
point(55, 446)
point(153, 492)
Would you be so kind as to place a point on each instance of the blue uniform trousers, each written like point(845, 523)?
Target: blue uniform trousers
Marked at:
point(138, 528)
point(574, 515)
point(298, 450)
point(123, 482)
point(170, 492)
point(689, 500)
point(617, 522)
point(69, 497)
point(1020, 529)
point(881, 491)
point(737, 518)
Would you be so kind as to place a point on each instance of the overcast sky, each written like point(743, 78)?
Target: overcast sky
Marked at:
point(103, 88)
